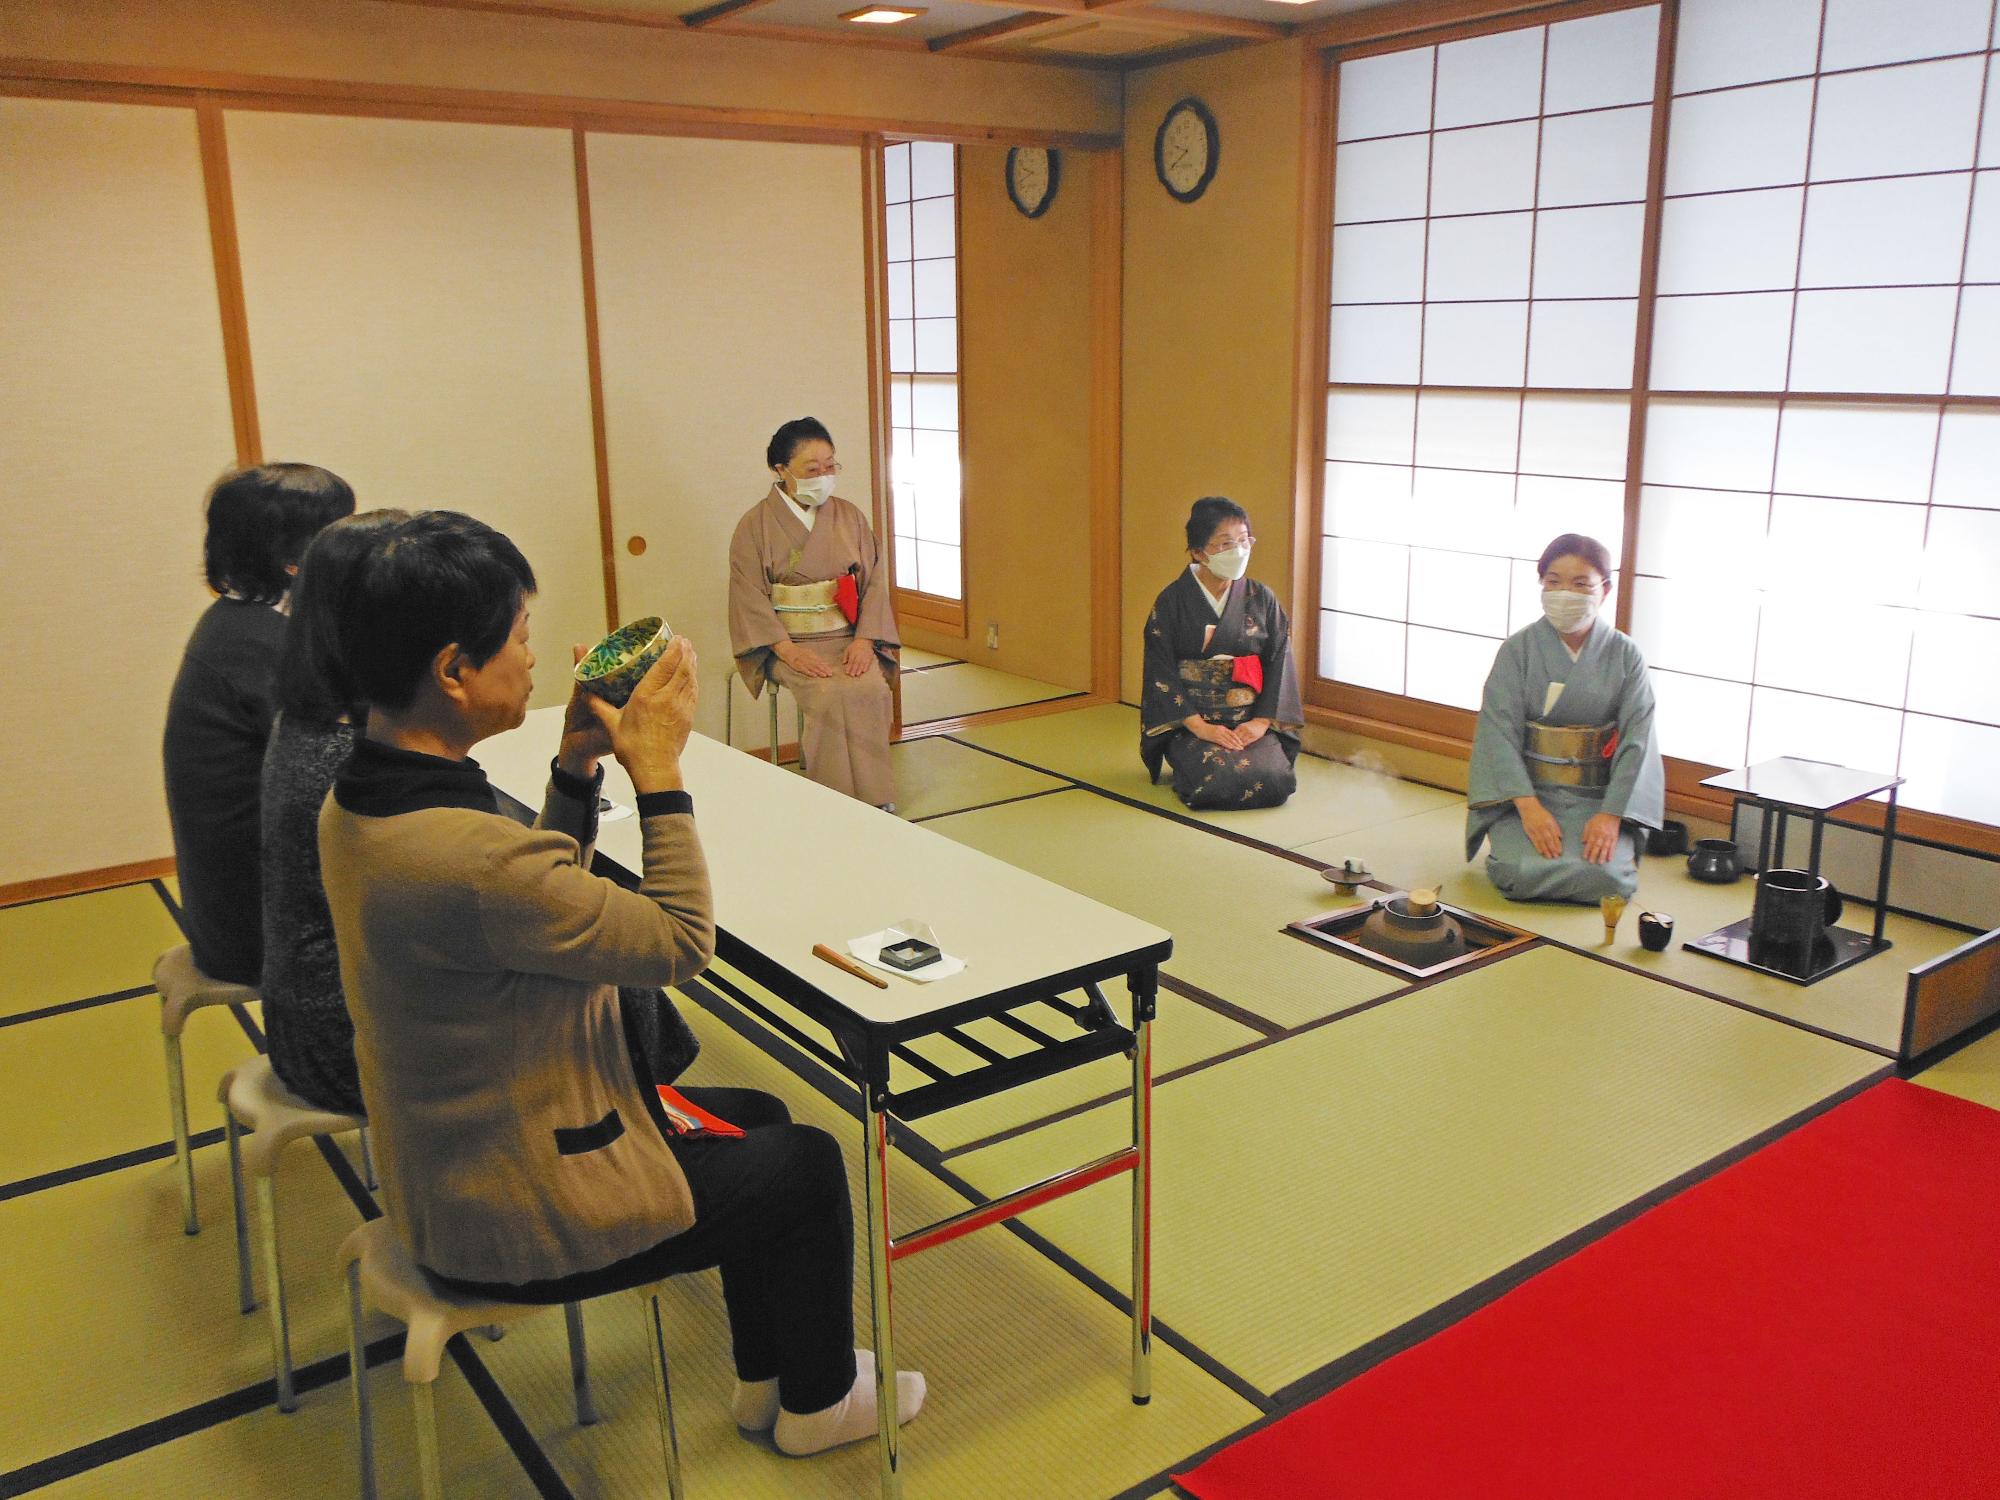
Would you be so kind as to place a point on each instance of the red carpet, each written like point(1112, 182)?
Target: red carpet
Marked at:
point(1821, 1319)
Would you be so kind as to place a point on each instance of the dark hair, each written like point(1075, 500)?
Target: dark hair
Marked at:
point(793, 436)
point(438, 578)
point(1209, 513)
point(1570, 544)
point(260, 521)
point(310, 685)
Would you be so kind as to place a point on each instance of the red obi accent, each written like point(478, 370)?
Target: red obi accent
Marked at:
point(1249, 671)
point(1611, 745)
point(685, 1117)
point(847, 597)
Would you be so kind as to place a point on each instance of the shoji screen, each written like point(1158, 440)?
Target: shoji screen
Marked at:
point(1819, 545)
point(732, 297)
point(415, 296)
point(920, 242)
point(115, 404)
point(1488, 204)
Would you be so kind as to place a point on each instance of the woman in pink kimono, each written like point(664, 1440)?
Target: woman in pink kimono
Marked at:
point(809, 610)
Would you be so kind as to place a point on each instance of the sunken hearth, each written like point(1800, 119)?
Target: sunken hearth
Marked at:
point(1412, 933)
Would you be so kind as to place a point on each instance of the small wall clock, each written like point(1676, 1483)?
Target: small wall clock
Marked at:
point(1186, 150)
point(1033, 173)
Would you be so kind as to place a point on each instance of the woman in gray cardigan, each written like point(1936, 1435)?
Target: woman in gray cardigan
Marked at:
point(525, 1150)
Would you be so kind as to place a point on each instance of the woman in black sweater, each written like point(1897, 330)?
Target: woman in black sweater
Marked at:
point(260, 522)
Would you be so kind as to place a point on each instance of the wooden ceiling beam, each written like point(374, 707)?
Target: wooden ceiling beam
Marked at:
point(723, 10)
point(1014, 27)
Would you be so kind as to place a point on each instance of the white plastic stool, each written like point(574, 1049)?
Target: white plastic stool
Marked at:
point(184, 989)
point(729, 716)
point(373, 1258)
point(253, 1099)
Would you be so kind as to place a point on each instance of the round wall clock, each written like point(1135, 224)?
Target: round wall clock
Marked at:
point(1186, 150)
point(1033, 173)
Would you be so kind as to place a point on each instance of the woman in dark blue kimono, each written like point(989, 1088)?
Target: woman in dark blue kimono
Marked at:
point(1220, 701)
point(1565, 762)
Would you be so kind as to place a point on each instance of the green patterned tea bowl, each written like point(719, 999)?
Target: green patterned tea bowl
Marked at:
point(613, 667)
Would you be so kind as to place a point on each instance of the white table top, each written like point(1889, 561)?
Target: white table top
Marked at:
point(794, 864)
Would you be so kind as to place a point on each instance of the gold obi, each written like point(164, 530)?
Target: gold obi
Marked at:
point(1570, 754)
point(1211, 687)
point(808, 608)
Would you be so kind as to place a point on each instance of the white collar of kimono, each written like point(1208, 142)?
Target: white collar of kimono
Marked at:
point(1218, 605)
point(805, 515)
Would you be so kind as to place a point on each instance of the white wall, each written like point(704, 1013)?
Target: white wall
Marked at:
point(114, 403)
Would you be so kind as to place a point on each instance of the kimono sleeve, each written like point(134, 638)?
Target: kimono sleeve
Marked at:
point(1637, 789)
point(1499, 773)
point(1279, 701)
point(753, 624)
point(1161, 704)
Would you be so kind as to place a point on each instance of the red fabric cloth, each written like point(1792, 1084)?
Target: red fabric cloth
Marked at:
point(1249, 671)
point(847, 597)
point(677, 1103)
point(1820, 1320)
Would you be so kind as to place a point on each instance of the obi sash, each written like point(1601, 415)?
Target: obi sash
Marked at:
point(1577, 755)
point(810, 608)
point(1214, 688)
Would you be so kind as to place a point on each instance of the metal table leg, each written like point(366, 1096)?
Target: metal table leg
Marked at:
point(1818, 836)
point(1784, 820)
point(1764, 811)
point(1882, 875)
point(1142, 1200)
point(881, 1304)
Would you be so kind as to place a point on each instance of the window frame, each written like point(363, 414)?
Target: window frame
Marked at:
point(1441, 728)
point(933, 612)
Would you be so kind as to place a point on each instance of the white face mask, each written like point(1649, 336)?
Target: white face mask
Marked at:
point(1568, 612)
point(814, 491)
point(1232, 564)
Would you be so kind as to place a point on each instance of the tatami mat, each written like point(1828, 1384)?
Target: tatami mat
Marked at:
point(966, 689)
point(79, 947)
point(1313, 1195)
point(1225, 903)
point(1971, 1073)
point(916, 659)
point(115, 1317)
point(101, 1073)
point(1027, 1369)
point(935, 776)
point(308, 1454)
point(1100, 746)
point(1864, 1002)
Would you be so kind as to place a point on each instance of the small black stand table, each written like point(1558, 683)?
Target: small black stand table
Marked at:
point(1778, 788)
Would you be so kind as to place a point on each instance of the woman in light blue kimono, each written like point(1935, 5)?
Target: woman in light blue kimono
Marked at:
point(1565, 761)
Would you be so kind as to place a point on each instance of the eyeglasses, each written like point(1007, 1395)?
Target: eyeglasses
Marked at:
point(829, 471)
point(1228, 543)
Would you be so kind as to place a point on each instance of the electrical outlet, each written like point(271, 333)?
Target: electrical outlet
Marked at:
point(992, 637)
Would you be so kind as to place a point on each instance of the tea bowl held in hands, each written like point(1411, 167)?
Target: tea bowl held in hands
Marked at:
point(613, 667)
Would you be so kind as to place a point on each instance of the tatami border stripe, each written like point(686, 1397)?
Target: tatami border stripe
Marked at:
point(69, 1005)
point(998, 708)
point(952, 812)
point(1330, 1377)
point(924, 1154)
point(1744, 1005)
point(187, 1421)
point(82, 1171)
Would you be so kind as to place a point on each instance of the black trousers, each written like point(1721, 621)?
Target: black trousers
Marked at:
point(772, 1212)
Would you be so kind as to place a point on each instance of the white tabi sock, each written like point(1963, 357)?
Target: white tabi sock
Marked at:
point(852, 1417)
point(755, 1404)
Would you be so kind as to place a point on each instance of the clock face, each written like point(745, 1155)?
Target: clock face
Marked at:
point(1032, 173)
point(1185, 150)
